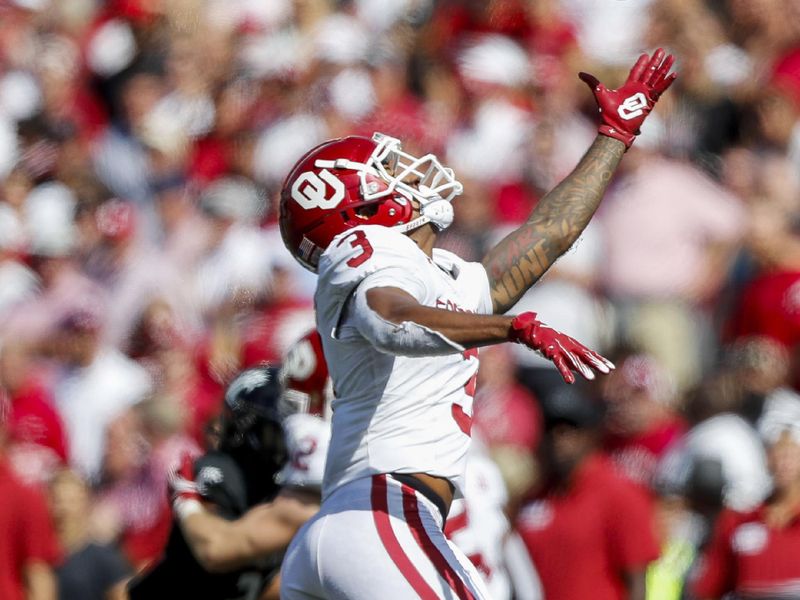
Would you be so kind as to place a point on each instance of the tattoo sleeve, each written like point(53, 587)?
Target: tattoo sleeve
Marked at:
point(524, 255)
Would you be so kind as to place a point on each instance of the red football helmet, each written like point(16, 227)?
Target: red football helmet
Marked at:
point(354, 181)
point(304, 374)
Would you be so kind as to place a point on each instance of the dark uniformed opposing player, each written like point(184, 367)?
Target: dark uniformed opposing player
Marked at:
point(237, 475)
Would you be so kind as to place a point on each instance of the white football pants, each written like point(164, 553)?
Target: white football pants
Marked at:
point(377, 538)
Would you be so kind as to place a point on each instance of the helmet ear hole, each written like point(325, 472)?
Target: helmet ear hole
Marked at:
point(365, 212)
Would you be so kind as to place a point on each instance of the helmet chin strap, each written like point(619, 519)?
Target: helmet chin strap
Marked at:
point(433, 209)
point(439, 212)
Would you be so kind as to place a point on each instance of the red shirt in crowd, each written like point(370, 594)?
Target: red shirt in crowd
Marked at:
point(508, 416)
point(751, 559)
point(584, 540)
point(638, 456)
point(34, 420)
point(26, 533)
point(770, 306)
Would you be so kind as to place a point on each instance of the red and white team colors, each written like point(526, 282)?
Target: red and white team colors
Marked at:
point(477, 524)
point(376, 537)
point(307, 440)
point(396, 414)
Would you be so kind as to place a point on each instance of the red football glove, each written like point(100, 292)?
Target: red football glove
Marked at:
point(623, 111)
point(565, 353)
point(183, 493)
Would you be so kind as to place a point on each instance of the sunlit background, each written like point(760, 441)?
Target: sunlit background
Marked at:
point(142, 148)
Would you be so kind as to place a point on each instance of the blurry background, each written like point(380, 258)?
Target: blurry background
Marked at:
point(143, 144)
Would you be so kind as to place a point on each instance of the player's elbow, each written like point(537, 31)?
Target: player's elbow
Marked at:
point(414, 340)
point(210, 562)
point(391, 329)
point(214, 557)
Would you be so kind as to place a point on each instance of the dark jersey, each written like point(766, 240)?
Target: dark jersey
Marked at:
point(177, 574)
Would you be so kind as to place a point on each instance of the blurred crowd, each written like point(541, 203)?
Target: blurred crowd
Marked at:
point(142, 148)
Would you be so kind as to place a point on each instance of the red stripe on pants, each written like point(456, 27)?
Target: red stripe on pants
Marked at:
point(380, 514)
point(456, 524)
point(411, 512)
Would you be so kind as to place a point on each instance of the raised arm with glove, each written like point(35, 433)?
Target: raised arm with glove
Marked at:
point(622, 111)
point(525, 254)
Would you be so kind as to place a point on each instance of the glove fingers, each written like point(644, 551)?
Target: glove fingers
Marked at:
point(598, 362)
point(180, 485)
point(584, 369)
point(590, 80)
point(579, 366)
point(653, 65)
point(561, 365)
point(662, 71)
point(574, 361)
point(662, 86)
point(181, 477)
point(587, 361)
point(638, 69)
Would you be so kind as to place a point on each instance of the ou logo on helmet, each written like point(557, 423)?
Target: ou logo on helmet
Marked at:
point(632, 107)
point(311, 190)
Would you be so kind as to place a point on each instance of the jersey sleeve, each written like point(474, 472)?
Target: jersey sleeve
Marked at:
point(371, 256)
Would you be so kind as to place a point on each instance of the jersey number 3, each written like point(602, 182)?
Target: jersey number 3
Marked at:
point(358, 239)
point(462, 419)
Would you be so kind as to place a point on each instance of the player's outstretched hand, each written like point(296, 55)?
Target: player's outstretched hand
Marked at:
point(623, 111)
point(565, 353)
point(182, 489)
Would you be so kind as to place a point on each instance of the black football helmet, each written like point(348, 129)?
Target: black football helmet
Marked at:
point(250, 426)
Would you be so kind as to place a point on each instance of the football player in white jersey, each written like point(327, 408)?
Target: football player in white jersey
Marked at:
point(401, 322)
point(476, 523)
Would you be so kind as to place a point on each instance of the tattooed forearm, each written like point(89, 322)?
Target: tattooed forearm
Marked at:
point(524, 255)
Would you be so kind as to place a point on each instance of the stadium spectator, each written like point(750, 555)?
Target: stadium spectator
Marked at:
point(141, 447)
point(89, 571)
point(585, 513)
point(641, 423)
point(97, 385)
point(753, 553)
point(28, 546)
point(37, 437)
point(125, 263)
point(235, 264)
point(779, 107)
point(62, 285)
point(668, 208)
point(721, 448)
point(758, 367)
point(766, 305)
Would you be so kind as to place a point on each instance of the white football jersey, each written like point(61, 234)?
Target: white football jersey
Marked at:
point(307, 440)
point(396, 413)
point(477, 523)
